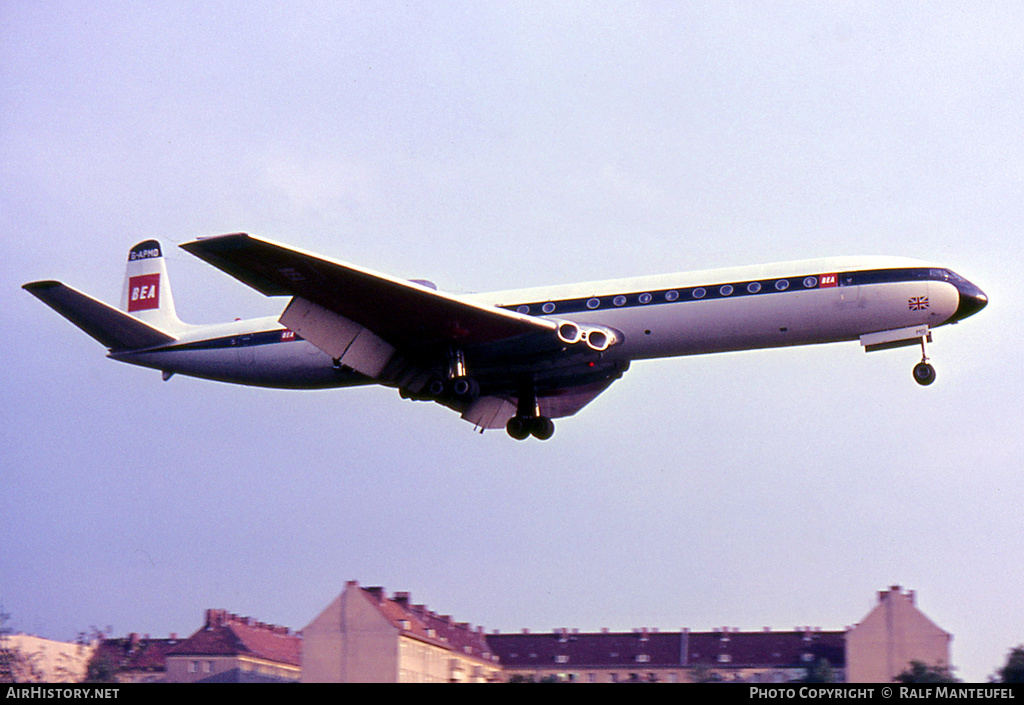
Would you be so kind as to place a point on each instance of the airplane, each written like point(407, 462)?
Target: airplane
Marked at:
point(508, 359)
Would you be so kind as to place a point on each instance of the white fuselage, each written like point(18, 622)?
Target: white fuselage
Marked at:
point(659, 316)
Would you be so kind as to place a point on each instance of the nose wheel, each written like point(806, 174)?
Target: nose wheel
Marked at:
point(924, 373)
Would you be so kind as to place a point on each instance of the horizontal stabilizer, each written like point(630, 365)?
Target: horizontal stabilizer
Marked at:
point(112, 328)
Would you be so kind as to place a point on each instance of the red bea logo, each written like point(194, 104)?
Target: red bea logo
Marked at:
point(828, 280)
point(144, 292)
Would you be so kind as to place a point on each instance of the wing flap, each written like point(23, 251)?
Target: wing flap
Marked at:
point(347, 342)
point(402, 313)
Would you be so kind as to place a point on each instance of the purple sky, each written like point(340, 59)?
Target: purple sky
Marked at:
point(491, 146)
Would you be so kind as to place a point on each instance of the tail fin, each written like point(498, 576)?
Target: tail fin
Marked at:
point(147, 290)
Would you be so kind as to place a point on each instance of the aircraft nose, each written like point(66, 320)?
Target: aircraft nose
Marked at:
point(972, 300)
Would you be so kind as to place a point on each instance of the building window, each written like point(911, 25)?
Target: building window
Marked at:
point(561, 658)
point(724, 658)
point(643, 658)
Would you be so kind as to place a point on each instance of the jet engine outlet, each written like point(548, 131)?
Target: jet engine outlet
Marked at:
point(601, 338)
point(569, 333)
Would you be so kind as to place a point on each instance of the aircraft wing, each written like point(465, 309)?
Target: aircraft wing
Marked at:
point(402, 313)
point(404, 334)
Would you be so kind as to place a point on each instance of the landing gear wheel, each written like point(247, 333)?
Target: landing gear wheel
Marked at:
point(435, 388)
point(521, 427)
point(518, 427)
point(542, 428)
point(465, 389)
point(924, 374)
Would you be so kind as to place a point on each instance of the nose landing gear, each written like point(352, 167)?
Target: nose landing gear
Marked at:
point(924, 373)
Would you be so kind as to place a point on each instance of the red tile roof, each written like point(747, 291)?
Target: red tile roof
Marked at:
point(418, 622)
point(227, 634)
point(133, 653)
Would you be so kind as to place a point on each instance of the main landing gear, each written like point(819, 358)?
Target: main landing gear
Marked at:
point(521, 427)
point(924, 373)
point(528, 420)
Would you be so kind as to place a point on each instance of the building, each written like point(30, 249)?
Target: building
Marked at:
point(363, 636)
point(132, 659)
point(648, 656)
point(233, 649)
point(892, 635)
point(34, 659)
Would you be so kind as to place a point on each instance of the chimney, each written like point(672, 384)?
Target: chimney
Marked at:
point(883, 594)
point(376, 592)
point(215, 618)
point(403, 598)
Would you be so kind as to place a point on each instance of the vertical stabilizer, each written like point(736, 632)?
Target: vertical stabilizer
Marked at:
point(147, 291)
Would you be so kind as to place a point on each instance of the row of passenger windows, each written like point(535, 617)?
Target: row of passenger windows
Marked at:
point(668, 296)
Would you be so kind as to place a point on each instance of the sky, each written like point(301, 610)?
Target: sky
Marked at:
point(489, 146)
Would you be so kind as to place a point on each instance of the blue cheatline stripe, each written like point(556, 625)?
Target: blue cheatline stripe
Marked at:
point(727, 290)
point(235, 341)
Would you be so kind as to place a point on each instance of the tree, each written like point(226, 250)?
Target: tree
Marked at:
point(1013, 671)
point(703, 674)
point(820, 672)
point(919, 672)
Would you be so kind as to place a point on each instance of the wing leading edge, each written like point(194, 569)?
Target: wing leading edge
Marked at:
point(402, 313)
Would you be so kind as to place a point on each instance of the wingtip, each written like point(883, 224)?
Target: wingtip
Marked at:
point(41, 285)
point(207, 240)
